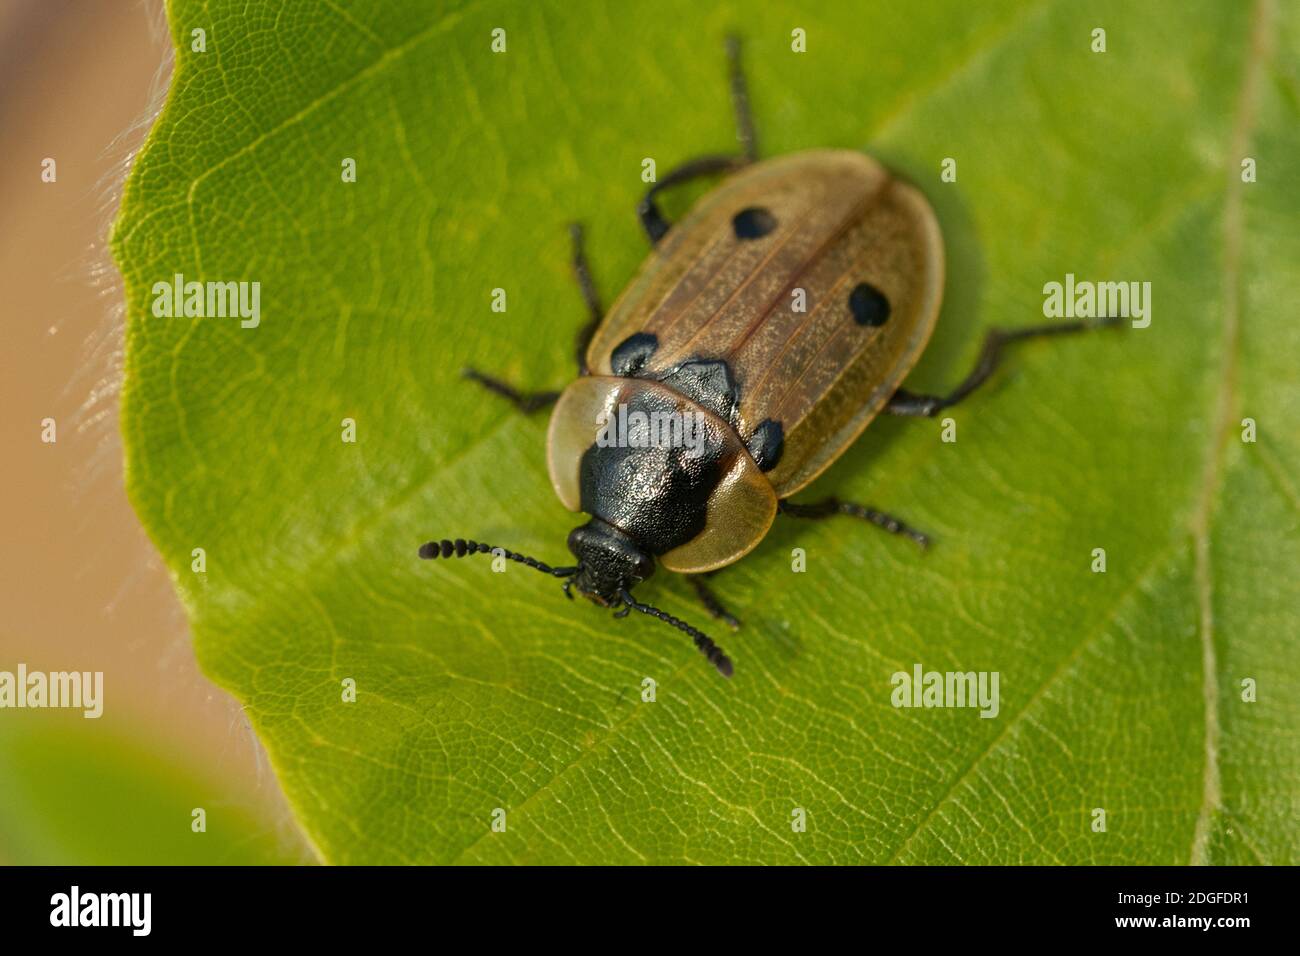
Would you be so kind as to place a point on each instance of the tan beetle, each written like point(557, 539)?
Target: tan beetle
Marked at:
point(706, 397)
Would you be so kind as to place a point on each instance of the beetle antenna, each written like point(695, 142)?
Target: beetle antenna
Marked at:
point(460, 547)
point(717, 657)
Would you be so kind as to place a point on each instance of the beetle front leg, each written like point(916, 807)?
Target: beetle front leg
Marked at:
point(927, 406)
point(526, 402)
point(711, 602)
point(833, 506)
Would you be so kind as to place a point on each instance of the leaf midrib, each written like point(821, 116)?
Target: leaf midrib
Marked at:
point(1221, 414)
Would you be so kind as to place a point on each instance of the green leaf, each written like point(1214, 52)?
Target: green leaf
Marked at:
point(1120, 691)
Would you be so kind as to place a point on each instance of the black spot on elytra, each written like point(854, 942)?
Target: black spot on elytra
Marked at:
point(630, 355)
point(753, 223)
point(868, 305)
point(766, 444)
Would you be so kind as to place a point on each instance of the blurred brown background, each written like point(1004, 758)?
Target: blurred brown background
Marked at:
point(81, 587)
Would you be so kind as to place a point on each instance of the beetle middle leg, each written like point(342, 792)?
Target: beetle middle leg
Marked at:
point(833, 506)
point(652, 220)
point(710, 600)
point(927, 406)
point(528, 402)
point(582, 272)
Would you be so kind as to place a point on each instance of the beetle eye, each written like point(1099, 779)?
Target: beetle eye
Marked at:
point(753, 223)
point(868, 305)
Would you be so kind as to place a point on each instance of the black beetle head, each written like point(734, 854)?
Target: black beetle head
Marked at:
point(609, 565)
point(609, 562)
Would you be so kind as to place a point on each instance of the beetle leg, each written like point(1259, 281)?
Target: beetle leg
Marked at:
point(652, 220)
point(833, 506)
point(927, 406)
point(582, 272)
point(711, 602)
point(526, 402)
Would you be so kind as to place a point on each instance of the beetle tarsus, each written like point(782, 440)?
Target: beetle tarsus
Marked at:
point(711, 602)
point(833, 506)
point(740, 101)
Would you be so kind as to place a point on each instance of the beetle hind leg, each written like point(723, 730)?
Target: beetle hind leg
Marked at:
point(833, 506)
point(927, 406)
point(711, 602)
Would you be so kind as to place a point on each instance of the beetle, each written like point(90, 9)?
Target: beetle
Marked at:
point(708, 334)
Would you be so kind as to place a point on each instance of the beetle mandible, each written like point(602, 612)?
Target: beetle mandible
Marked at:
point(719, 399)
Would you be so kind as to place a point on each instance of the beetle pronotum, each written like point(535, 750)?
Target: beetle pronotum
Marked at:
point(706, 334)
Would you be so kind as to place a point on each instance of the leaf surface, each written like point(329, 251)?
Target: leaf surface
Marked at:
point(1119, 691)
